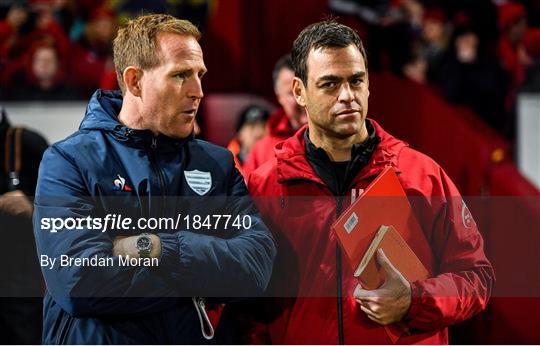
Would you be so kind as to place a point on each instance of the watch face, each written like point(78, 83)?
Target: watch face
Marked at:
point(143, 243)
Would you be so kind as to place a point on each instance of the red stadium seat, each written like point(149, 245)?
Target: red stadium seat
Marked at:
point(220, 113)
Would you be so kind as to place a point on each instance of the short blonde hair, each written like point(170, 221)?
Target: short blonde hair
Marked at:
point(135, 42)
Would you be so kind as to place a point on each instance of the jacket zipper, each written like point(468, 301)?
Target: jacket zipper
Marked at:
point(341, 334)
point(65, 330)
point(160, 175)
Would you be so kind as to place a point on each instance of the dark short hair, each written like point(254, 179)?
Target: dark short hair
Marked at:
point(252, 114)
point(283, 62)
point(325, 34)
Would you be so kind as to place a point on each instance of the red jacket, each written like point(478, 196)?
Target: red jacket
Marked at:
point(463, 277)
point(234, 148)
point(279, 129)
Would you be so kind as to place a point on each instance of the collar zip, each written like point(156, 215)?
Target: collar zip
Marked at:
point(154, 143)
point(128, 132)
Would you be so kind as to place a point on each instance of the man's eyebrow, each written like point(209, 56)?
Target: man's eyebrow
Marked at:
point(328, 78)
point(181, 70)
point(334, 78)
point(358, 74)
point(188, 70)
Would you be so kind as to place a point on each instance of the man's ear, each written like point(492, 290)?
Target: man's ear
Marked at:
point(298, 90)
point(132, 80)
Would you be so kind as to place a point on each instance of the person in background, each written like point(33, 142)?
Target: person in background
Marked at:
point(434, 40)
point(42, 79)
point(21, 285)
point(284, 122)
point(250, 129)
point(392, 27)
point(518, 48)
point(91, 58)
point(472, 77)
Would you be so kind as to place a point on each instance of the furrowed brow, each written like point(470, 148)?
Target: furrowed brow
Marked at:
point(329, 78)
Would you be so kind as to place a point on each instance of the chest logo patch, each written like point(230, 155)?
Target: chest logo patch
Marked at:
point(198, 181)
point(120, 184)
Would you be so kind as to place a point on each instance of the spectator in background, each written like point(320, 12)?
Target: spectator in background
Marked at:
point(428, 49)
point(41, 79)
point(47, 29)
point(434, 40)
point(251, 128)
point(472, 77)
point(11, 38)
point(416, 69)
point(11, 25)
point(36, 26)
point(518, 47)
point(392, 26)
point(284, 122)
point(21, 283)
point(91, 59)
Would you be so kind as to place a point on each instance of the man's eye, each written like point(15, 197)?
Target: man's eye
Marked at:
point(328, 85)
point(356, 82)
point(180, 75)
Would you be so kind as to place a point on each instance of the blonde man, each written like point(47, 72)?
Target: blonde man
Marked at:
point(137, 146)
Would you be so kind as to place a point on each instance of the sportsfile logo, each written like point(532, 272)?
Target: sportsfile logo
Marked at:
point(120, 184)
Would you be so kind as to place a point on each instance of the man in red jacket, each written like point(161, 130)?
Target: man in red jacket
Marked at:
point(283, 123)
point(338, 152)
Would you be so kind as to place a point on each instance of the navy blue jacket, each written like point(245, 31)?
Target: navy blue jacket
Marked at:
point(106, 167)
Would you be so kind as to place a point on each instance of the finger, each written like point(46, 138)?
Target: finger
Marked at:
point(372, 306)
point(386, 264)
point(361, 293)
point(370, 314)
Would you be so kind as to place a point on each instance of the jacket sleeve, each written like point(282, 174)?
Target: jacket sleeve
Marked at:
point(239, 265)
point(465, 277)
point(89, 291)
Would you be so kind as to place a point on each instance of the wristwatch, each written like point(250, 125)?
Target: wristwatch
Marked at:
point(144, 245)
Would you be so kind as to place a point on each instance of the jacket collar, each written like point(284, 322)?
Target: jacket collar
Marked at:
point(279, 124)
point(293, 165)
point(102, 114)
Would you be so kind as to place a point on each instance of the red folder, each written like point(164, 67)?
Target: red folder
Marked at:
point(384, 202)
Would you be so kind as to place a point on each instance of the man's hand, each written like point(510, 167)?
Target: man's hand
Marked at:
point(16, 203)
point(390, 302)
point(127, 246)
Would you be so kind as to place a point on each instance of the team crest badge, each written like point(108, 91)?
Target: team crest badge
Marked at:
point(466, 216)
point(198, 181)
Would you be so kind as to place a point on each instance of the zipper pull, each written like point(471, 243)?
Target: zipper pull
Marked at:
point(207, 330)
point(154, 143)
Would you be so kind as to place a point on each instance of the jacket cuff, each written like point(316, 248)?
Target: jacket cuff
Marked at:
point(170, 250)
point(416, 302)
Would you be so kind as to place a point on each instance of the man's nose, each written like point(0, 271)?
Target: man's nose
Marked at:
point(195, 89)
point(345, 93)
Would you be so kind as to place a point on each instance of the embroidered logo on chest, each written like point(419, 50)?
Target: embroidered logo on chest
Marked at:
point(199, 182)
point(120, 184)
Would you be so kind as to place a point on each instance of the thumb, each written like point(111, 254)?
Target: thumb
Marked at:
point(388, 267)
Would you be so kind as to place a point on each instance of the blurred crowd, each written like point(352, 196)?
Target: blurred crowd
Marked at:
point(475, 53)
point(55, 50)
point(62, 49)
